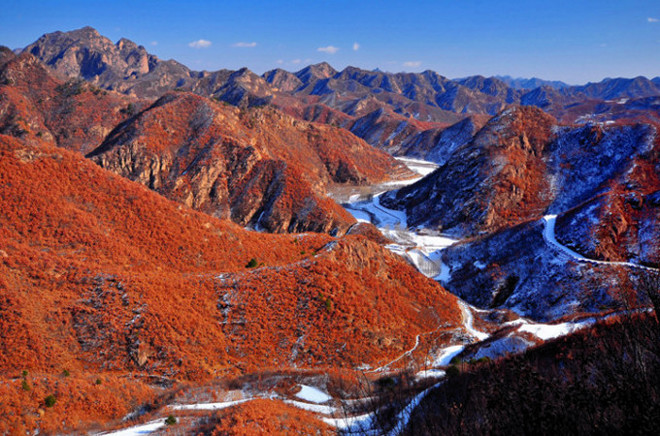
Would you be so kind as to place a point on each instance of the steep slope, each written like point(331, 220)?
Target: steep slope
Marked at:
point(100, 275)
point(492, 182)
point(519, 269)
point(438, 144)
point(36, 106)
point(622, 224)
point(516, 168)
point(258, 167)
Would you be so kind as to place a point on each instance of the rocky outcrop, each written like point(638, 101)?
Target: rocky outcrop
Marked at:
point(258, 167)
point(40, 108)
point(517, 168)
point(124, 66)
point(494, 181)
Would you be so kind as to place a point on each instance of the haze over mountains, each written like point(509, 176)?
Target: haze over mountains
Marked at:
point(170, 239)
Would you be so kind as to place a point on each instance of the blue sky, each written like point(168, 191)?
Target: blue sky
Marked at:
point(575, 41)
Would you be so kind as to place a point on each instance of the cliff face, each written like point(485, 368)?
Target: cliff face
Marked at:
point(518, 167)
point(496, 180)
point(258, 167)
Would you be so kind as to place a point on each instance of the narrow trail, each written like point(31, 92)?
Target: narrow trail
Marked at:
point(550, 238)
point(468, 322)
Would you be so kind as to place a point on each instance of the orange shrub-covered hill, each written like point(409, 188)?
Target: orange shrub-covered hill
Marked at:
point(99, 272)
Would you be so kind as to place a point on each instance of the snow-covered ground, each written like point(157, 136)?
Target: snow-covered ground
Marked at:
point(137, 430)
point(420, 247)
point(549, 236)
point(313, 395)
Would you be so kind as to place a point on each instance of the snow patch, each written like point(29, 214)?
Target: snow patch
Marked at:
point(552, 331)
point(313, 395)
point(209, 406)
point(447, 354)
point(141, 429)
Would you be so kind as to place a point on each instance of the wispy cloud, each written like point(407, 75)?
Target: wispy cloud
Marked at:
point(280, 61)
point(412, 64)
point(296, 61)
point(652, 20)
point(154, 43)
point(356, 46)
point(200, 43)
point(245, 44)
point(331, 49)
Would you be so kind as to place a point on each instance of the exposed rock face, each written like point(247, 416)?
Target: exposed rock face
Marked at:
point(517, 168)
point(258, 167)
point(38, 107)
point(492, 182)
point(124, 67)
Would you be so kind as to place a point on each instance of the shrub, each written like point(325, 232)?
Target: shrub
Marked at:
point(25, 385)
point(171, 420)
point(252, 263)
point(50, 400)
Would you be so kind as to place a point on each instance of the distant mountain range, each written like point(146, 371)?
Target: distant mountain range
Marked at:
point(534, 82)
point(385, 109)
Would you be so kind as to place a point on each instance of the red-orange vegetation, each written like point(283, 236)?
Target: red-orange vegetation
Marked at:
point(101, 273)
point(255, 166)
point(354, 304)
point(259, 417)
point(87, 400)
point(521, 189)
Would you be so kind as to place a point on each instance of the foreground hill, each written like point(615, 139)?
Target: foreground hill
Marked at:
point(600, 381)
point(101, 276)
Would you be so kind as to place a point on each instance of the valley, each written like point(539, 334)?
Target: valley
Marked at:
point(319, 251)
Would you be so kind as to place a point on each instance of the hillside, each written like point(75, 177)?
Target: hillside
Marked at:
point(101, 276)
point(520, 166)
point(258, 167)
point(255, 166)
point(587, 383)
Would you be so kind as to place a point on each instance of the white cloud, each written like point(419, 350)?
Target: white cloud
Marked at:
point(154, 43)
point(296, 61)
point(280, 61)
point(412, 64)
point(200, 43)
point(356, 46)
point(245, 44)
point(331, 49)
point(652, 20)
